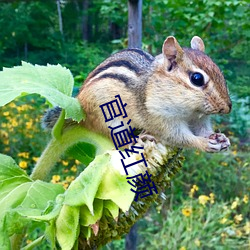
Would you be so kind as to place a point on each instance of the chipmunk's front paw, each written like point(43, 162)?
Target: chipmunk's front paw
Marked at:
point(218, 142)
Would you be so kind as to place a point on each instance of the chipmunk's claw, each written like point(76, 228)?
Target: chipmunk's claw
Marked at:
point(218, 142)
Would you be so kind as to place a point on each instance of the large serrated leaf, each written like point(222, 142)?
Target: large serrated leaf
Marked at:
point(39, 194)
point(67, 226)
point(112, 186)
point(83, 189)
point(86, 218)
point(53, 82)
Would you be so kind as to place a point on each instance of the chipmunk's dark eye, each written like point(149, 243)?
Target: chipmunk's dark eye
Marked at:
point(197, 79)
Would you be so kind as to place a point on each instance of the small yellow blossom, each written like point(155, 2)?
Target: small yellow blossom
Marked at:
point(23, 164)
point(223, 235)
point(35, 159)
point(77, 162)
point(234, 152)
point(193, 190)
point(224, 164)
point(12, 105)
point(65, 163)
point(24, 154)
point(197, 242)
point(245, 199)
point(14, 123)
point(187, 211)
point(183, 248)
point(73, 168)
point(238, 218)
point(247, 227)
point(6, 113)
point(235, 203)
point(223, 220)
point(238, 233)
point(70, 178)
point(65, 185)
point(203, 199)
point(4, 134)
point(29, 124)
point(211, 195)
point(55, 178)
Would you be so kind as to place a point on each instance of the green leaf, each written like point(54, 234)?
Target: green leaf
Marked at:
point(83, 152)
point(6, 186)
point(86, 218)
point(58, 127)
point(112, 186)
point(39, 194)
point(67, 226)
point(112, 207)
point(83, 189)
point(9, 168)
point(53, 82)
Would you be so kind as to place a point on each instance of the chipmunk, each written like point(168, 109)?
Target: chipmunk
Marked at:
point(170, 96)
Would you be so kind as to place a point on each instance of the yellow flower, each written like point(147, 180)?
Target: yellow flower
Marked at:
point(77, 162)
point(14, 123)
point(223, 235)
point(203, 199)
point(73, 168)
point(235, 203)
point(245, 199)
point(35, 159)
point(6, 113)
point(238, 233)
point(187, 211)
point(70, 178)
point(193, 190)
point(238, 218)
point(65, 163)
point(29, 124)
point(55, 178)
point(211, 195)
point(223, 220)
point(183, 248)
point(65, 185)
point(247, 227)
point(197, 242)
point(23, 164)
point(234, 152)
point(24, 154)
point(224, 164)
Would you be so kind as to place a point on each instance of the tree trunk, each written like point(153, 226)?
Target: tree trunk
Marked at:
point(135, 23)
point(59, 16)
point(85, 20)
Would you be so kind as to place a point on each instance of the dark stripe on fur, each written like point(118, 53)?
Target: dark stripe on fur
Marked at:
point(118, 77)
point(118, 63)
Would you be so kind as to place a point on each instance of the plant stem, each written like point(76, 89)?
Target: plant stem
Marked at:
point(57, 147)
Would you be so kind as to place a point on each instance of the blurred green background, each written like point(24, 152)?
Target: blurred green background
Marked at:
point(207, 206)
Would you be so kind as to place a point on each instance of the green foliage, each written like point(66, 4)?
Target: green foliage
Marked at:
point(52, 82)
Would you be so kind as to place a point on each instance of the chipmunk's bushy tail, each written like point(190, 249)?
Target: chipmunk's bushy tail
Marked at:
point(50, 117)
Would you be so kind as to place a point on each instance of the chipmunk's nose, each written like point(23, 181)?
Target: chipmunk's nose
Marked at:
point(227, 108)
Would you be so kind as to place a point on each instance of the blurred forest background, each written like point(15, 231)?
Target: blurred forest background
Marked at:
point(208, 204)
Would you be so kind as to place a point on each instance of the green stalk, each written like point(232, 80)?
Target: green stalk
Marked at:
point(57, 146)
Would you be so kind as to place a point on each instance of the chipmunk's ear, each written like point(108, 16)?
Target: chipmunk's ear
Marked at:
point(197, 43)
point(171, 49)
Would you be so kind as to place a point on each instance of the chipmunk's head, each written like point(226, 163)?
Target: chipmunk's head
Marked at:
point(196, 76)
